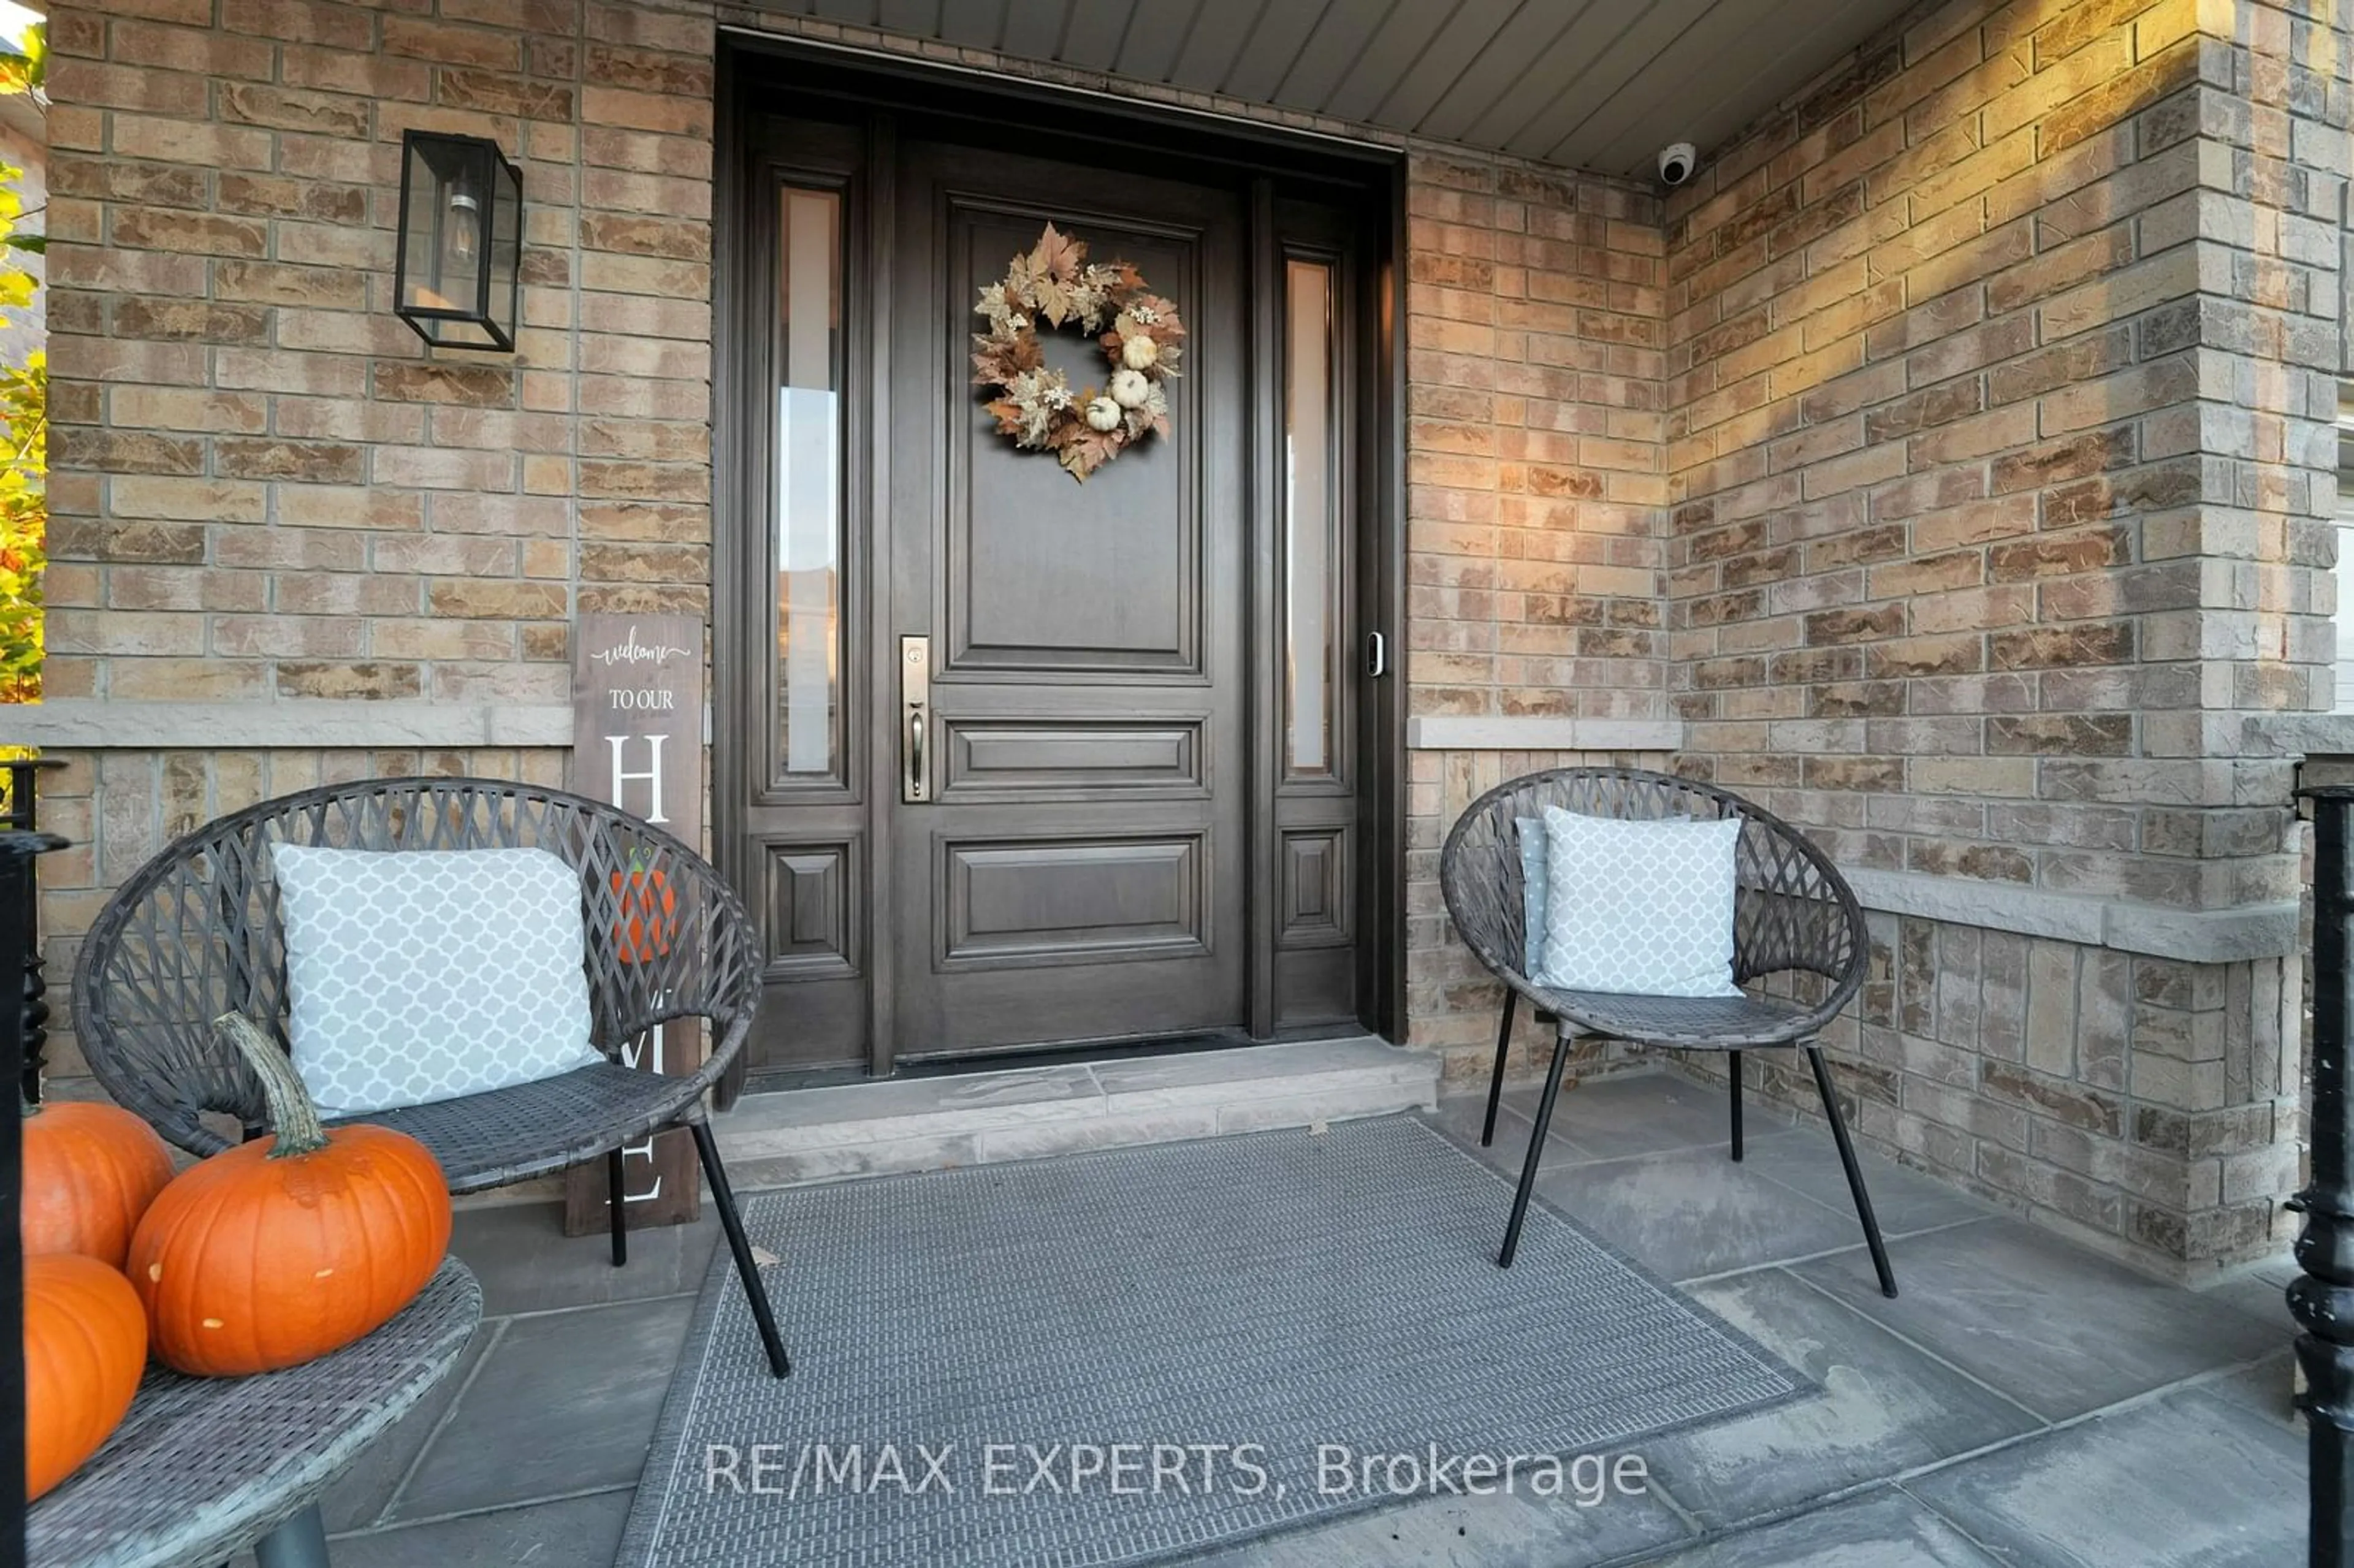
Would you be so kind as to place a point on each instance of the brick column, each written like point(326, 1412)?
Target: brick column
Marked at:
point(2006, 362)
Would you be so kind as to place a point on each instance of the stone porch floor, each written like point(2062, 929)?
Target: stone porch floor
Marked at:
point(2024, 1403)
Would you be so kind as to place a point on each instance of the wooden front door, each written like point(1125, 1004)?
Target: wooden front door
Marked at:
point(1005, 759)
point(1067, 838)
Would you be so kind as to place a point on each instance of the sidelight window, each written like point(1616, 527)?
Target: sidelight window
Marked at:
point(1311, 519)
point(808, 503)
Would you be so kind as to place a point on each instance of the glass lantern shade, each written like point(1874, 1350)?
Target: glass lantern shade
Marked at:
point(457, 278)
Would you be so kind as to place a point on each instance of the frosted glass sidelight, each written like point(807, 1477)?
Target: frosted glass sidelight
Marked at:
point(1308, 509)
point(808, 506)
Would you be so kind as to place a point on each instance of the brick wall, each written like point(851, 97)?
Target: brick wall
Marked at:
point(1533, 462)
point(1536, 479)
point(1999, 373)
point(264, 484)
point(2147, 1105)
point(1943, 573)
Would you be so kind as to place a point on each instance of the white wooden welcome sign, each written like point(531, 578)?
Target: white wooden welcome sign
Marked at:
point(637, 742)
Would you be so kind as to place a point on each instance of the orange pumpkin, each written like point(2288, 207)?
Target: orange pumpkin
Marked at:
point(90, 1171)
point(281, 1249)
point(649, 913)
point(85, 1346)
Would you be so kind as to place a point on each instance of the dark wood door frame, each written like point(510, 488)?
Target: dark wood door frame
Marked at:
point(759, 78)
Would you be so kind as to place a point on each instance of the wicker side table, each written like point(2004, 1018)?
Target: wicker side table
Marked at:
point(203, 1467)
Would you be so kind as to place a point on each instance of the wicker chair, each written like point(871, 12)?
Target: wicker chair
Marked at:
point(196, 932)
point(1792, 913)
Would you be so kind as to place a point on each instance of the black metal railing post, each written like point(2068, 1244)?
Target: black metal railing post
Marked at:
point(23, 815)
point(17, 853)
point(2322, 1298)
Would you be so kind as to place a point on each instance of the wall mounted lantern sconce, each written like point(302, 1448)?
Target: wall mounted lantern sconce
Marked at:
point(457, 276)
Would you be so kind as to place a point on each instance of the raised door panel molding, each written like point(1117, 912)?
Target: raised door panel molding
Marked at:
point(1028, 757)
point(810, 918)
point(1023, 902)
point(1047, 580)
point(1315, 889)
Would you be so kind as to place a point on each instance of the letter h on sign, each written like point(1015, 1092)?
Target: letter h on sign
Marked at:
point(652, 778)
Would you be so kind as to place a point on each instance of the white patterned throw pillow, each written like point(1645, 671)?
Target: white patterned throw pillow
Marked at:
point(1533, 850)
point(1639, 907)
point(422, 975)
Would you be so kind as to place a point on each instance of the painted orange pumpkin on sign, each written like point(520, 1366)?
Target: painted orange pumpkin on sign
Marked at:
point(649, 916)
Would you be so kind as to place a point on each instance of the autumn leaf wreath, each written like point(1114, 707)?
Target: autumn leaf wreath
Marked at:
point(1056, 283)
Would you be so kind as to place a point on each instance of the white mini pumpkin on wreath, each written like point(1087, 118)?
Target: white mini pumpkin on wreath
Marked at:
point(1140, 333)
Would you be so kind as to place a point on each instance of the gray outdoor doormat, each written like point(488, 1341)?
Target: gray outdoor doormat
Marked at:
point(1134, 1355)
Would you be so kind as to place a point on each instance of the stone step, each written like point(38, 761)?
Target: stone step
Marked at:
point(930, 1124)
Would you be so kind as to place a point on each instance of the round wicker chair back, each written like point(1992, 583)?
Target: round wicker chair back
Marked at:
point(1793, 911)
point(196, 932)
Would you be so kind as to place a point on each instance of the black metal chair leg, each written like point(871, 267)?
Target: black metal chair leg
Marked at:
point(617, 1196)
point(1854, 1173)
point(1736, 1105)
point(1496, 1078)
point(1536, 1152)
point(724, 1198)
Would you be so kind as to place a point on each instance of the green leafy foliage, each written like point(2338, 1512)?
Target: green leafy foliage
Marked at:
point(26, 67)
point(24, 524)
point(25, 414)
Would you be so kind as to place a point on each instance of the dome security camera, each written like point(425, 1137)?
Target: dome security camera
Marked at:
point(1677, 163)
